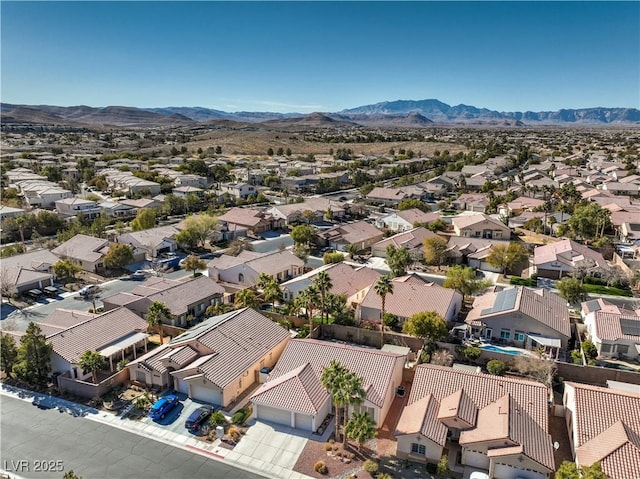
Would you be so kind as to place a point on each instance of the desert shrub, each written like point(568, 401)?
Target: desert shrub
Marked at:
point(327, 446)
point(496, 367)
point(471, 353)
point(443, 466)
point(531, 282)
point(234, 433)
point(370, 466)
point(217, 418)
point(320, 467)
point(576, 357)
point(351, 455)
point(240, 416)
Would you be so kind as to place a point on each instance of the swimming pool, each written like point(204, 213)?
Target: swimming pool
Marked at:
point(498, 349)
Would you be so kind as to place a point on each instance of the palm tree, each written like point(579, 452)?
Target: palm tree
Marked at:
point(383, 286)
point(246, 299)
point(361, 427)
point(354, 395)
point(351, 249)
point(93, 362)
point(309, 299)
point(332, 378)
point(157, 312)
point(323, 282)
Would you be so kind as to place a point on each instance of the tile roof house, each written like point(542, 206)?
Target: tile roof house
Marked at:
point(412, 240)
point(559, 259)
point(292, 213)
point(151, 243)
point(523, 203)
point(529, 318)
point(393, 196)
point(473, 251)
point(411, 295)
point(294, 397)
point(471, 202)
point(115, 334)
point(360, 233)
point(217, 360)
point(245, 268)
point(604, 427)
point(184, 299)
point(87, 251)
point(27, 271)
point(253, 220)
point(614, 330)
point(480, 226)
point(404, 220)
point(351, 281)
point(500, 424)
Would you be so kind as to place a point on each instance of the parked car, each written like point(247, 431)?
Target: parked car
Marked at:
point(163, 406)
point(34, 293)
point(51, 291)
point(198, 417)
point(89, 289)
point(139, 275)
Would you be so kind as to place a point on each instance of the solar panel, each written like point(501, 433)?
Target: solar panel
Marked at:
point(630, 327)
point(593, 305)
point(505, 300)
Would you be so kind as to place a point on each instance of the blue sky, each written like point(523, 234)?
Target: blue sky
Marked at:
point(321, 56)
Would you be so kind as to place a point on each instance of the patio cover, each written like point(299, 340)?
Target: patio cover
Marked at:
point(554, 343)
point(123, 343)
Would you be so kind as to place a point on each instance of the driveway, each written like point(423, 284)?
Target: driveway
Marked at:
point(174, 421)
point(271, 448)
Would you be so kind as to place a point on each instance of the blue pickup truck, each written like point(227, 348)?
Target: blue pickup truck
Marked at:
point(168, 262)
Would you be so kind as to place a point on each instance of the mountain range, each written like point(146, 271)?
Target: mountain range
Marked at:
point(399, 113)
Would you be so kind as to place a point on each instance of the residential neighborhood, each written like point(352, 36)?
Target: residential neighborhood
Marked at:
point(438, 314)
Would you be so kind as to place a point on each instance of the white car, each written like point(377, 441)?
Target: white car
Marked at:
point(90, 289)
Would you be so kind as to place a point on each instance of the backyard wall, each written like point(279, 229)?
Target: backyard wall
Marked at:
point(91, 390)
point(368, 337)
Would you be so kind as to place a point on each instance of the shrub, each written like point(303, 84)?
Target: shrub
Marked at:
point(320, 467)
point(443, 466)
point(597, 289)
point(217, 418)
point(370, 466)
point(471, 353)
point(327, 446)
point(576, 357)
point(384, 475)
point(590, 350)
point(496, 367)
point(234, 433)
point(240, 416)
point(531, 282)
point(329, 258)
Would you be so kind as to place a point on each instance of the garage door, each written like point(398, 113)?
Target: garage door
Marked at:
point(304, 422)
point(181, 386)
point(206, 394)
point(277, 416)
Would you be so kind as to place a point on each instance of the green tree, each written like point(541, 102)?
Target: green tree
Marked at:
point(144, 220)
point(572, 290)
point(435, 251)
point(507, 257)
point(193, 263)
point(308, 299)
point(410, 204)
point(92, 361)
point(332, 378)
point(99, 225)
point(118, 256)
point(398, 260)
point(590, 351)
point(157, 313)
point(437, 225)
point(173, 205)
point(427, 325)
point(33, 362)
point(330, 258)
point(589, 221)
point(464, 280)
point(361, 428)
point(383, 286)
point(351, 249)
point(569, 470)
point(66, 268)
point(8, 353)
point(496, 367)
point(187, 239)
point(246, 299)
point(322, 281)
point(303, 235)
point(200, 227)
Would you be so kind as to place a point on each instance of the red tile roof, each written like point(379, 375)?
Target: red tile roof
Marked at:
point(421, 417)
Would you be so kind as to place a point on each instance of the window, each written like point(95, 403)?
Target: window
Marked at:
point(623, 348)
point(418, 448)
point(519, 336)
point(505, 334)
point(605, 348)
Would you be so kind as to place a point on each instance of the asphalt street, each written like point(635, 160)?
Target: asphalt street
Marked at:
point(44, 443)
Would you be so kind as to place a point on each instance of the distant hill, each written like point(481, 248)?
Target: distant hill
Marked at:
point(390, 114)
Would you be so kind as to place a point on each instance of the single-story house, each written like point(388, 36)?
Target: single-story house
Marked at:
point(411, 295)
point(604, 427)
point(477, 202)
point(362, 234)
point(294, 397)
point(351, 281)
point(559, 259)
point(293, 213)
point(27, 271)
point(217, 360)
point(253, 220)
point(499, 424)
point(614, 331)
point(87, 251)
point(151, 243)
point(184, 299)
point(412, 240)
point(405, 220)
point(524, 317)
point(245, 268)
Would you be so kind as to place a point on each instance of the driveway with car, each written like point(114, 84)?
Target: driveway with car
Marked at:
point(175, 419)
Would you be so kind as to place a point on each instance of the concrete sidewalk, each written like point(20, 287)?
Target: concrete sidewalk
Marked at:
point(212, 450)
